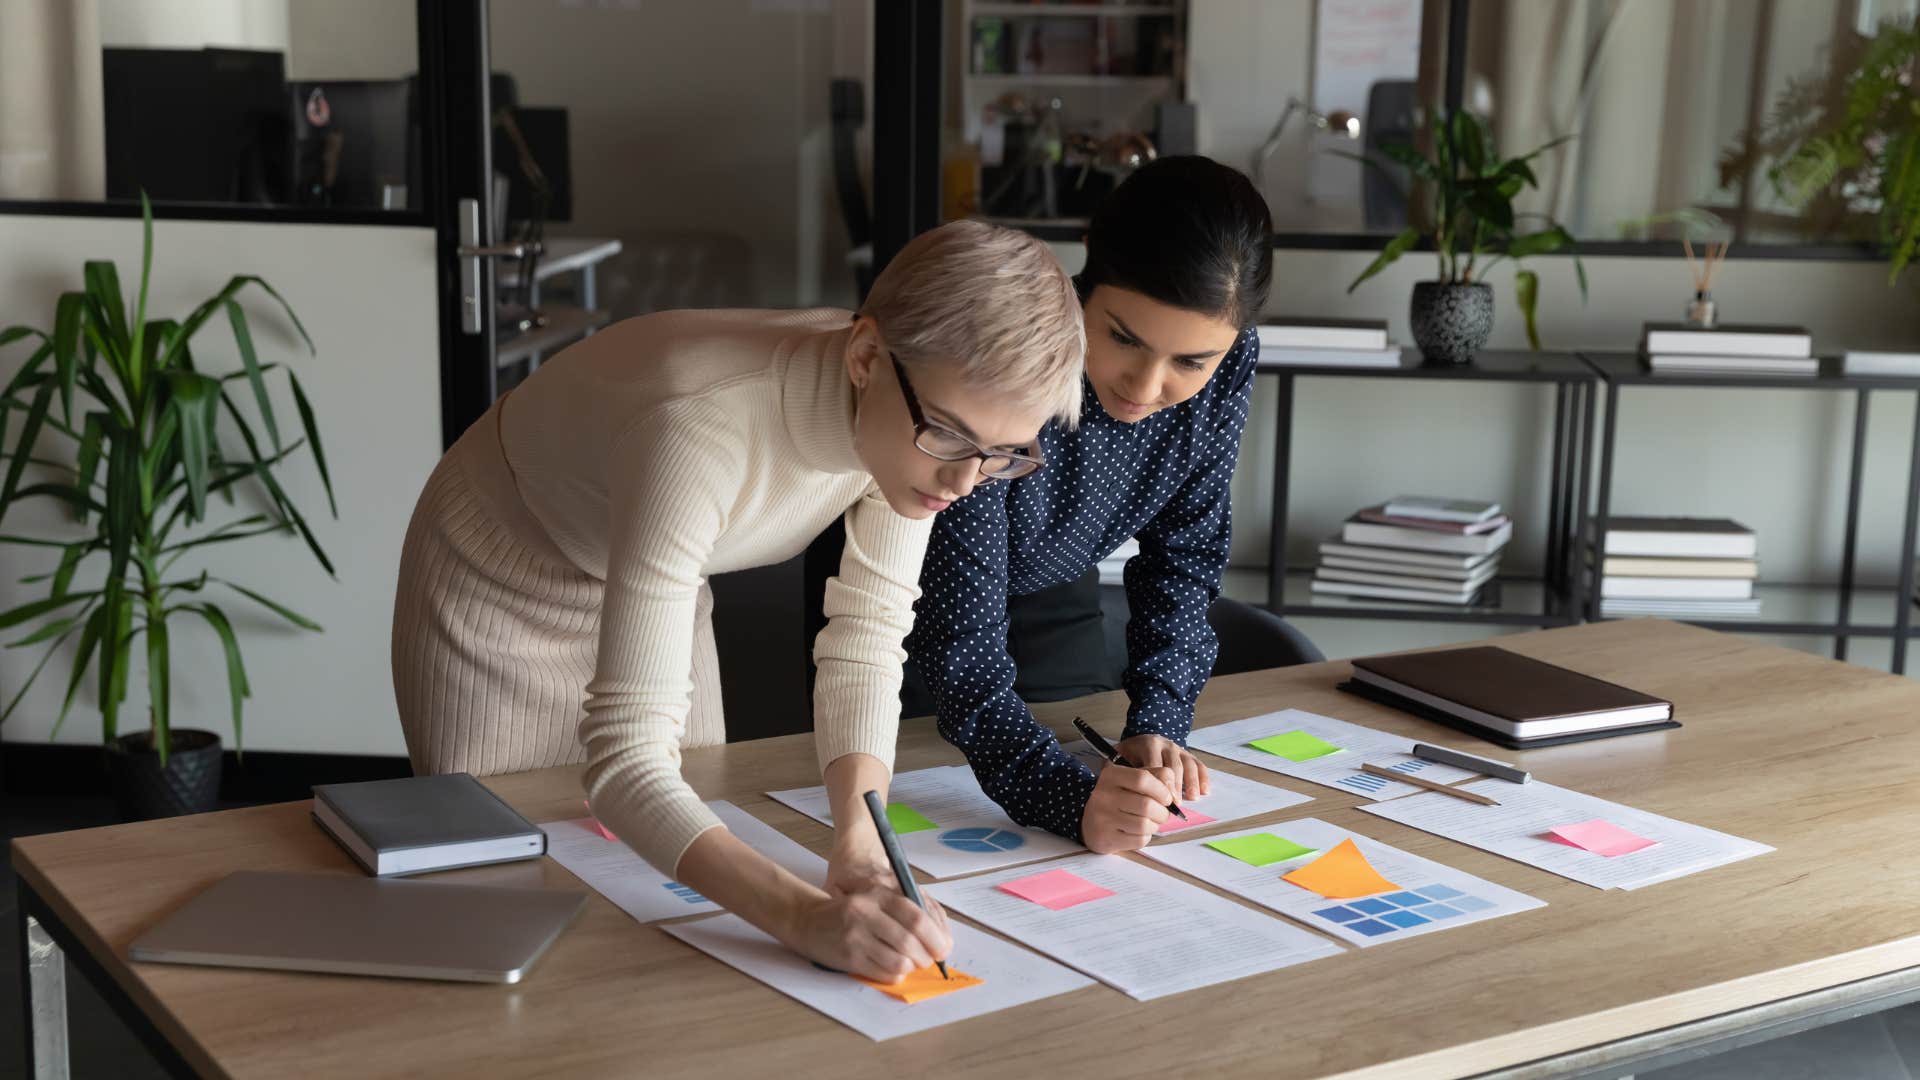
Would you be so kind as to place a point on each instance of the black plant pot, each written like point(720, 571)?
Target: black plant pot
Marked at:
point(189, 784)
point(1451, 321)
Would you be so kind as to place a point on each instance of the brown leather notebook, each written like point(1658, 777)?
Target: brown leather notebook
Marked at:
point(1515, 696)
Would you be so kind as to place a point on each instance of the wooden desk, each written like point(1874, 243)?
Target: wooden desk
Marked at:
point(1819, 759)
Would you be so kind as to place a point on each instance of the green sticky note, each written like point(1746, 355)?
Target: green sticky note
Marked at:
point(1295, 746)
point(1260, 849)
point(906, 819)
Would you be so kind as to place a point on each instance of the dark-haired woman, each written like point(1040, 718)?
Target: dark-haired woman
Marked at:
point(1179, 259)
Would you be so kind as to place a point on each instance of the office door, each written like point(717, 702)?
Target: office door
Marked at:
point(316, 144)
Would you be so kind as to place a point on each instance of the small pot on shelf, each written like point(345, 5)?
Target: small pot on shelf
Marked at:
point(189, 783)
point(1451, 320)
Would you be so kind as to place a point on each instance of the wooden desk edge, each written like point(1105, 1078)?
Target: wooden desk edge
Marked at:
point(110, 960)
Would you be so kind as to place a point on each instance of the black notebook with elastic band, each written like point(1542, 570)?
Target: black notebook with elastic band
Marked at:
point(1428, 712)
point(1508, 699)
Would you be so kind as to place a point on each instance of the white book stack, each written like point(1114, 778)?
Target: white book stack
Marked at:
point(1862, 362)
point(1288, 342)
point(1678, 568)
point(1113, 568)
point(1728, 350)
point(1416, 548)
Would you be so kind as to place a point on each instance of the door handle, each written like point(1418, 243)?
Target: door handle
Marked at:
point(473, 306)
point(495, 251)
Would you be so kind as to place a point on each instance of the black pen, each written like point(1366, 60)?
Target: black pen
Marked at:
point(895, 856)
point(1105, 749)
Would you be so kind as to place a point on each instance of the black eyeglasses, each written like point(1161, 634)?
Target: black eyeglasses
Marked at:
point(945, 444)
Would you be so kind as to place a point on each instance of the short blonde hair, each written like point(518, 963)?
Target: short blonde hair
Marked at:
point(993, 300)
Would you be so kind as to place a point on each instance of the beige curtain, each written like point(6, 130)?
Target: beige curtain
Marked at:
point(52, 122)
point(1666, 92)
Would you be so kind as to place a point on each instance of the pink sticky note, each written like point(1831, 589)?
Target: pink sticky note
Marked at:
point(1599, 837)
point(595, 822)
point(1055, 889)
point(1174, 824)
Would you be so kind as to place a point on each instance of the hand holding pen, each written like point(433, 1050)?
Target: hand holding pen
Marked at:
point(1095, 825)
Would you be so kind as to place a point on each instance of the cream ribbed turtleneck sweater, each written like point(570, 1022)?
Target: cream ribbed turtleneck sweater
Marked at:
point(676, 446)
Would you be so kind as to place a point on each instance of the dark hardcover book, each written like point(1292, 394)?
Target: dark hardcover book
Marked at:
point(418, 823)
point(1480, 731)
point(1682, 537)
point(1514, 695)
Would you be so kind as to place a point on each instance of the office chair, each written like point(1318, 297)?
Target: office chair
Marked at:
point(1251, 638)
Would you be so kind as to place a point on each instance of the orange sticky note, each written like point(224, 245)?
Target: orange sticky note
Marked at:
point(923, 984)
point(1341, 874)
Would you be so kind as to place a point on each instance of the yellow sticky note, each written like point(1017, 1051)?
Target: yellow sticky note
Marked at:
point(923, 984)
point(1341, 874)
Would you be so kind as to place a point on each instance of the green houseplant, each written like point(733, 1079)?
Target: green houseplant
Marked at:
point(142, 461)
point(1843, 147)
point(1469, 214)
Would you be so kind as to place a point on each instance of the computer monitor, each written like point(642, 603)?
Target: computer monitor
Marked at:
point(354, 144)
point(195, 125)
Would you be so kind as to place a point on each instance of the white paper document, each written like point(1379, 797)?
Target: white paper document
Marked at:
point(1231, 798)
point(613, 870)
point(1430, 896)
point(1356, 745)
point(1008, 974)
point(1155, 935)
point(970, 832)
point(1519, 828)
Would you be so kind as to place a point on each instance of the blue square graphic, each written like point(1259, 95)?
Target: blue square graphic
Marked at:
point(1440, 892)
point(1338, 914)
point(1439, 911)
point(1405, 899)
point(1404, 919)
point(1371, 907)
point(684, 893)
point(1471, 903)
point(1371, 927)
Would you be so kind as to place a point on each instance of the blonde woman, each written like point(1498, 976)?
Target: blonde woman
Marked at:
point(553, 605)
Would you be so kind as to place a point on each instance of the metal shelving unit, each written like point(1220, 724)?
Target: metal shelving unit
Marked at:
point(1841, 611)
point(1549, 598)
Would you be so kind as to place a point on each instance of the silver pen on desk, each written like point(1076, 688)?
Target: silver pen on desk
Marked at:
point(1472, 763)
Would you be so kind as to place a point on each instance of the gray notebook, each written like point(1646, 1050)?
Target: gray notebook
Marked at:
point(419, 823)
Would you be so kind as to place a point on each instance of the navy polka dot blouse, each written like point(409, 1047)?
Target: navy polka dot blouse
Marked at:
point(1165, 480)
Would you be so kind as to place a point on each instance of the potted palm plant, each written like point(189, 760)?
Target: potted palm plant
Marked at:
point(141, 459)
point(1470, 215)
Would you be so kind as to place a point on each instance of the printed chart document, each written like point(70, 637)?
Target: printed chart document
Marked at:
point(1322, 750)
point(1142, 932)
point(1543, 825)
point(946, 824)
point(611, 868)
point(1428, 896)
point(1008, 974)
point(1232, 798)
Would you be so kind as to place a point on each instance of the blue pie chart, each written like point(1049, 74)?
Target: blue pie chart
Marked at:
point(985, 840)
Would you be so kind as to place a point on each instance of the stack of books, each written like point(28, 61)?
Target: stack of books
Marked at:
point(1419, 548)
point(1679, 567)
point(1289, 342)
point(1113, 568)
point(1729, 350)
